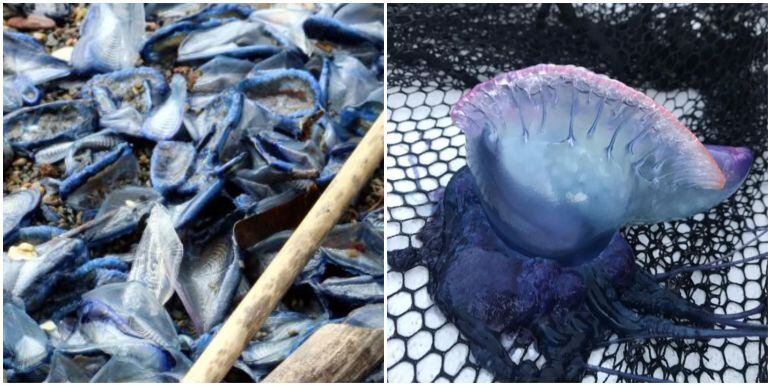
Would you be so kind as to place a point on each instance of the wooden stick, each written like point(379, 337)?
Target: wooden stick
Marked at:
point(334, 353)
point(263, 297)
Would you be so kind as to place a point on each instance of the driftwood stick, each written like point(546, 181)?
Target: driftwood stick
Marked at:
point(334, 353)
point(263, 297)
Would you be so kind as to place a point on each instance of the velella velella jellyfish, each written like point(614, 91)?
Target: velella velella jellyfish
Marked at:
point(26, 64)
point(111, 36)
point(526, 237)
point(136, 136)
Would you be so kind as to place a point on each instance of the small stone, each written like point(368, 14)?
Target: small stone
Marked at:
point(20, 162)
point(39, 36)
point(48, 170)
point(71, 41)
point(151, 26)
point(130, 204)
point(325, 47)
point(30, 23)
point(64, 53)
point(52, 41)
point(52, 200)
point(79, 14)
point(48, 326)
point(22, 252)
point(192, 77)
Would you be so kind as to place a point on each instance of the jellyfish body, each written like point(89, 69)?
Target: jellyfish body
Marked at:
point(527, 236)
point(564, 158)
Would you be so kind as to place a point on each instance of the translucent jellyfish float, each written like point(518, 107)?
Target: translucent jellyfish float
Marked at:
point(526, 237)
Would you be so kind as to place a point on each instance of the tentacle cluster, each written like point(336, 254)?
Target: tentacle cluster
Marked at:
point(487, 288)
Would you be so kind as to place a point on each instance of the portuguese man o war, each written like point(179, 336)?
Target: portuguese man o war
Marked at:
point(526, 239)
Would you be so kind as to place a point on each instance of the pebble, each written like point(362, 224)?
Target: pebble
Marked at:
point(80, 13)
point(64, 53)
point(328, 48)
point(30, 23)
point(48, 326)
point(48, 170)
point(52, 40)
point(189, 73)
point(20, 162)
point(39, 36)
point(52, 200)
point(22, 252)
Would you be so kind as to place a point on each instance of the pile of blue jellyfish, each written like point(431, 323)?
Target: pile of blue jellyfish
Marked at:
point(133, 152)
point(525, 240)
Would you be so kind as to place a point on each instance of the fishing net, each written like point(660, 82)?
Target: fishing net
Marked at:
point(706, 63)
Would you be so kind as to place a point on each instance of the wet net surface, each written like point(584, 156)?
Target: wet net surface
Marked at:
point(705, 63)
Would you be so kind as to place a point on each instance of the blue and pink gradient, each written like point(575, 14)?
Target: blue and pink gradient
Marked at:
point(564, 158)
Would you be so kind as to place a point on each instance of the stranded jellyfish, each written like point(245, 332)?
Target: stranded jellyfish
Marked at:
point(527, 235)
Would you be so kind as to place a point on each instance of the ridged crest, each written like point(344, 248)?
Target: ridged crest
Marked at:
point(170, 164)
point(559, 152)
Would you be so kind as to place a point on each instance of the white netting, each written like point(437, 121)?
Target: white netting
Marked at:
point(425, 150)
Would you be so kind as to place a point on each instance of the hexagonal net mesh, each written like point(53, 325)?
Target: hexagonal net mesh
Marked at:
point(706, 63)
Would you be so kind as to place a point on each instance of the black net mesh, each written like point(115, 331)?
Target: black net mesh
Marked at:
point(706, 63)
